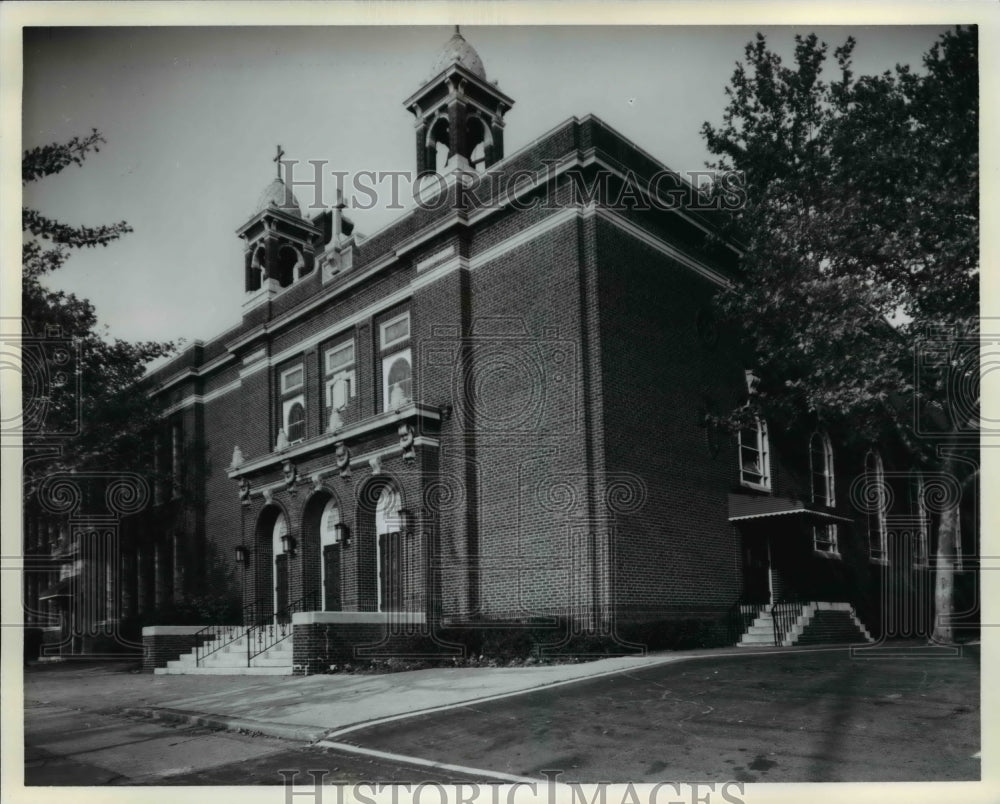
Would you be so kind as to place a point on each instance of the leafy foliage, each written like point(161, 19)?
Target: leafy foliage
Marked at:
point(99, 404)
point(862, 210)
point(862, 234)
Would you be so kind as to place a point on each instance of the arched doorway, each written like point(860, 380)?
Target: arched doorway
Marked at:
point(389, 546)
point(271, 576)
point(322, 553)
point(380, 546)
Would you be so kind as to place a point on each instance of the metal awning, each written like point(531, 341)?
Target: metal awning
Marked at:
point(763, 506)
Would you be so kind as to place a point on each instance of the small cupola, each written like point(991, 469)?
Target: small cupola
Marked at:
point(459, 114)
point(280, 243)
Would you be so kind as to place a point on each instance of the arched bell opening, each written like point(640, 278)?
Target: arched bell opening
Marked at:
point(479, 140)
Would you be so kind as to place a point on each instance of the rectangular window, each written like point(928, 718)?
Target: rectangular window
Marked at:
point(754, 458)
point(293, 403)
point(340, 376)
point(395, 330)
point(825, 539)
point(340, 357)
point(397, 380)
point(292, 379)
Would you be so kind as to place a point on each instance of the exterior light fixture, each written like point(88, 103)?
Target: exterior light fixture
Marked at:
point(241, 554)
point(288, 544)
point(343, 534)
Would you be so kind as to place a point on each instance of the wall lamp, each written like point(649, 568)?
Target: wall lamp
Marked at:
point(241, 554)
point(343, 534)
point(288, 544)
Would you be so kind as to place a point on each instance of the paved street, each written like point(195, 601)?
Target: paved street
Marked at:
point(791, 717)
point(800, 716)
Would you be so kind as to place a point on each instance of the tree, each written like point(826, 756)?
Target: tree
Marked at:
point(81, 407)
point(861, 237)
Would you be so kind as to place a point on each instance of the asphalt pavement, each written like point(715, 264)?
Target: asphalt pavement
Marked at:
point(765, 715)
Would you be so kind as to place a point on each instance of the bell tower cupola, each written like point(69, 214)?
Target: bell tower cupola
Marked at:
point(279, 243)
point(459, 114)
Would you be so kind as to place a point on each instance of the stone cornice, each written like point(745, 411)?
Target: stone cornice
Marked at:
point(349, 433)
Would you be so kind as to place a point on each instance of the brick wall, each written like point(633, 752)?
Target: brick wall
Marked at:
point(166, 643)
point(320, 640)
point(675, 551)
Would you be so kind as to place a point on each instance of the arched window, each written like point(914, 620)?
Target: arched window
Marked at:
point(296, 422)
point(821, 469)
point(822, 489)
point(398, 381)
point(755, 468)
point(397, 374)
point(877, 503)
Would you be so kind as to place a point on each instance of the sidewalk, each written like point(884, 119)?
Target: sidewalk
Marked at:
point(322, 706)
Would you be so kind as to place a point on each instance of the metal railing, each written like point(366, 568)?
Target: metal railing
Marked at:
point(784, 613)
point(264, 635)
point(213, 638)
point(741, 616)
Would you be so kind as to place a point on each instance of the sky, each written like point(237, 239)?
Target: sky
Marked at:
point(192, 117)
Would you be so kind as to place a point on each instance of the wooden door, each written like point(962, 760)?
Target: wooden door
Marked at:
point(331, 577)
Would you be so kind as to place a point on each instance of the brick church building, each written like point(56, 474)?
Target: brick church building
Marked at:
point(493, 410)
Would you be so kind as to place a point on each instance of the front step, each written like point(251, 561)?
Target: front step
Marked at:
point(817, 623)
point(232, 660)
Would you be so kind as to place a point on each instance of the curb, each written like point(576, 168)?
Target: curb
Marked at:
point(283, 731)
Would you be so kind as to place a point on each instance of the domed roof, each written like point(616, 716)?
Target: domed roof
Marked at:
point(276, 194)
point(458, 50)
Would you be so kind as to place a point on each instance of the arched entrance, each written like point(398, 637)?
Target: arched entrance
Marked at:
point(322, 553)
point(380, 546)
point(272, 564)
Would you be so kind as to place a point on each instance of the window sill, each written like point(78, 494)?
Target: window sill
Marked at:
point(829, 554)
point(756, 486)
point(883, 562)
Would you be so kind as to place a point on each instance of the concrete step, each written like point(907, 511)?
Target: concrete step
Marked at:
point(228, 656)
point(226, 671)
point(240, 659)
point(827, 627)
point(756, 639)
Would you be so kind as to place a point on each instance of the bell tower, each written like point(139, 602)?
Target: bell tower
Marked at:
point(459, 114)
point(279, 243)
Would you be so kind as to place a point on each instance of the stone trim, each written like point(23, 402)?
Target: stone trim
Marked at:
point(358, 617)
point(171, 630)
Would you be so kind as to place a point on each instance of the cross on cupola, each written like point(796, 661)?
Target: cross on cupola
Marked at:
point(280, 242)
point(459, 113)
